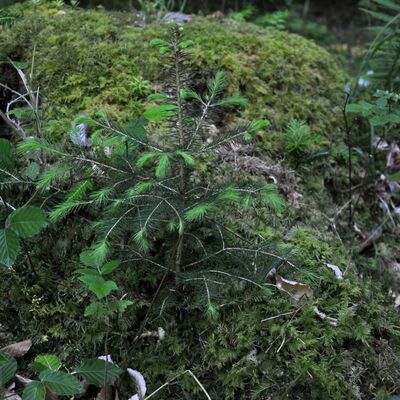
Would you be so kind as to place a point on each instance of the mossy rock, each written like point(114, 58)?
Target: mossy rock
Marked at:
point(87, 61)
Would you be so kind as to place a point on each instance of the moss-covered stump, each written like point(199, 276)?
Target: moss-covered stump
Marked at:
point(91, 60)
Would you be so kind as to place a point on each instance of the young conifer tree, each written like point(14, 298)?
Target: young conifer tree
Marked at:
point(155, 204)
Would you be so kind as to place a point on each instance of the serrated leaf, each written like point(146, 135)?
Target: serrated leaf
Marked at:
point(7, 155)
point(8, 367)
point(34, 391)
point(95, 309)
point(86, 258)
point(60, 383)
point(120, 305)
point(97, 372)
point(27, 221)
point(109, 267)
point(96, 284)
point(9, 246)
point(46, 361)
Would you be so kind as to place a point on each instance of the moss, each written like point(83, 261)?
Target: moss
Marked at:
point(86, 61)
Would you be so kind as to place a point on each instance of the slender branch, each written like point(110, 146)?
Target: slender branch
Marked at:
point(15, 127)
point(175, 378)
point(350, 153)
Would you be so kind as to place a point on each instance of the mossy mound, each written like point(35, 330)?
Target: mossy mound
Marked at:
point(91, 60)
point(260, 344)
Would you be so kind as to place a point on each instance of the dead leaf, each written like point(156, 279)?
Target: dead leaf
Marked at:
point(50, 395)
point(296, 290)
point(381, 144)
point(336, 270)
point(22, 379)
point(393, 158)
point(329, 320)
point(17, 349)
point(11, 395)
point(106, 393)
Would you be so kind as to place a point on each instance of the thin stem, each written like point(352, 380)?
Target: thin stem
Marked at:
point(350, 153)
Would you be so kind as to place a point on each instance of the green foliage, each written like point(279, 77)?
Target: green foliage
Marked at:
point(9, 246)
point(21, 223)
point(224, 317)
point(384, 113)
point(97, 372)
point(282, 75)
point(8, 367)
point(60, 383)
point(52, 381)
point(34, 391)
point(244, 14)
point(46, 361)
point(27, 221)
point(275, 20)
point(383, 55)
point(299, 138)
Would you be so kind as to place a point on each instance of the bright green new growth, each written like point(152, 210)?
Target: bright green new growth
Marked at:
point(152, 186)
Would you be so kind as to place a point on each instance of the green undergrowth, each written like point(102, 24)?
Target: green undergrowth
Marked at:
point(86, 61)
point(293, 354)
point(257, 342)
